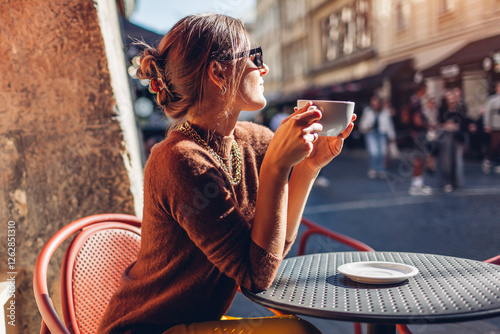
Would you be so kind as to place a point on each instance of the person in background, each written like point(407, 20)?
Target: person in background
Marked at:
point(419, 151)
point(454, 125)
point(393, 152)
point(491, 122)
point(430, 112)
point(402, 124)
point(479, 141)
point(460, 104)
point(223, 199)
point(377, 126)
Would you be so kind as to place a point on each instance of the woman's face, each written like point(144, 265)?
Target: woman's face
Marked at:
point(251, 90)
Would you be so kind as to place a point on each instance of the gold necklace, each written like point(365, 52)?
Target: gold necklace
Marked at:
point(235, 153)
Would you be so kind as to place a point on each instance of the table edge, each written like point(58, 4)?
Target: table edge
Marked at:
point(353, 317)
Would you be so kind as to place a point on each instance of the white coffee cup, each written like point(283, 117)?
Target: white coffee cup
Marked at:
point(336, 115)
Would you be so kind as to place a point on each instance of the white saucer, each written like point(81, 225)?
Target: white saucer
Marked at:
point(377, 272)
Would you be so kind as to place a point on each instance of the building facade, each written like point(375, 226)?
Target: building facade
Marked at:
point(352, 49)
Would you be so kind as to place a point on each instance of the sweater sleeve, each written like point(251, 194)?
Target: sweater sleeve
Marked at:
point(194, 192)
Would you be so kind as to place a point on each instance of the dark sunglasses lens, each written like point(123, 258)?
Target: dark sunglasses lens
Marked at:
point(257, 60)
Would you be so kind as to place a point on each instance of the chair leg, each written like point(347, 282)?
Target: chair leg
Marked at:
point(357, 328)
point(494, 260)
point(403, 329)
point(44, 329)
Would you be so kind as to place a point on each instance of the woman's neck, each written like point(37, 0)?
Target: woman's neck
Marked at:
point(214, 119)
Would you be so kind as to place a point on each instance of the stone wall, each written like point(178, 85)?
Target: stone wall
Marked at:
point(61, 145)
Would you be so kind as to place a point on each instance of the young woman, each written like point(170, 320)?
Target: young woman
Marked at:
point(222, 204)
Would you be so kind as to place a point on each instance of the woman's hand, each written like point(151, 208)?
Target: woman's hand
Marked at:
point(326, 148)
point(294, 138)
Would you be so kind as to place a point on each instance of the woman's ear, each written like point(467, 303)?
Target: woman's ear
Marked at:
point(216, 75)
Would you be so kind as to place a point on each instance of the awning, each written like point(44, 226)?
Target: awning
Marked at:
point(468, 58)
point(398, 71)
point(394, 69)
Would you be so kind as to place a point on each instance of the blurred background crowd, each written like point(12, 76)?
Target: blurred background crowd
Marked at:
point(421, 75)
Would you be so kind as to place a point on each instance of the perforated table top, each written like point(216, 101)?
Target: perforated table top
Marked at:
point(446, 289)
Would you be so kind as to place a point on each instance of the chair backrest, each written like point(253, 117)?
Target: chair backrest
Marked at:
point(92, 267)
point(314, 228)
point(91, 272)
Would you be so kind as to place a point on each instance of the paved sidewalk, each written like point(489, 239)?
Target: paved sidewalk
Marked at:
point(464, 223)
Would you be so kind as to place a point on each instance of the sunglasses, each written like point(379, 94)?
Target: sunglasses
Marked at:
point(254, 54)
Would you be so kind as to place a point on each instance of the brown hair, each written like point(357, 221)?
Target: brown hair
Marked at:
point(183, 57)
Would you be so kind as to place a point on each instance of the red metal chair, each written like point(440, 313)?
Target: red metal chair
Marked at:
point(314, 228)
point(95, 260)
point(494, 260)
point(91, 270)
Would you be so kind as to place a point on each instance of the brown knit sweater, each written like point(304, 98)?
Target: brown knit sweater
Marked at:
point(196, 247)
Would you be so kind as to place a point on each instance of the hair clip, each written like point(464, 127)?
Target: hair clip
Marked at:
point(156, 85)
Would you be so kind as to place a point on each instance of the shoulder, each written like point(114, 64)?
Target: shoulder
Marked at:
point(176, 156)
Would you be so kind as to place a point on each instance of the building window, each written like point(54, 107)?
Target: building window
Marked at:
point(347, 31)
point(295, 61)
point(294, 10)
point(402, 9)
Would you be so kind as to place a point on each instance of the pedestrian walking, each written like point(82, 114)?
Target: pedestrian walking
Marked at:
point(454, 125)
point(491, 121)
point(377, 126)
point(479, 141)
point(431, 114)
point(419, 150)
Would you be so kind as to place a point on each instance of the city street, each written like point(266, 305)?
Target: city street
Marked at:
point(381, 213)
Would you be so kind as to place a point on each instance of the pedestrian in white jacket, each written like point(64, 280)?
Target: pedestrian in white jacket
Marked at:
point(377, 126)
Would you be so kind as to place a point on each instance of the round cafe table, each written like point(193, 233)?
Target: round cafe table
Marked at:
point(446, 289)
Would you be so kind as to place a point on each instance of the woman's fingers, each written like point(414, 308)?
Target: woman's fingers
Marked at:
point(346, 133)
point(310, 137)
point(312, 114)
point(313, 127)
point(303, 109)
point(298, 111)
point(299, 138)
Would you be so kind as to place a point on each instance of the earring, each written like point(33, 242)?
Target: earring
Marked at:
point(223, 90)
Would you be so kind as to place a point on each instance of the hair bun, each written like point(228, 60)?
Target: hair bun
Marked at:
point(149, 68)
